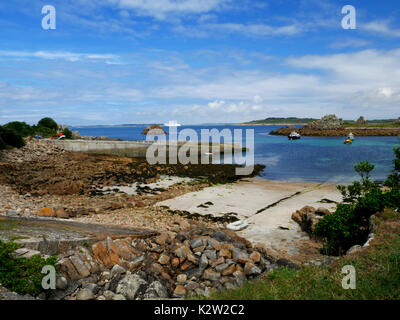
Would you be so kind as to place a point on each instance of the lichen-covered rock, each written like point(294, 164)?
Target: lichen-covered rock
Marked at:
point(131, 286)
point(85, 294)
point(327, 122)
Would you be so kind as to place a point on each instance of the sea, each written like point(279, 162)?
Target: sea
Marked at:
point(314, 159)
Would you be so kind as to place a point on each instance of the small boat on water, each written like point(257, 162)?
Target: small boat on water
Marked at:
point(349, 139)
point(294, 136)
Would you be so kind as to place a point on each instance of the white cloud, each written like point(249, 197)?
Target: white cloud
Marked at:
point(386, 92)
point(350, 43)
point(352, 84)
point(381, 27)
point(67, 56)
point(216, 104)
point(257, 99)
point(251, 30)
point(161, 9)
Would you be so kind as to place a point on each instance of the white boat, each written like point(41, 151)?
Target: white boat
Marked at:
point(351, 136)
point(294, 136)
point(172, 124)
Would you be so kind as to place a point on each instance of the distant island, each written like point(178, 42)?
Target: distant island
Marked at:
point(303, 121)
point(280, 121)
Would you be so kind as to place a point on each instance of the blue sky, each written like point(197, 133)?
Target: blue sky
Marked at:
point(197, 61)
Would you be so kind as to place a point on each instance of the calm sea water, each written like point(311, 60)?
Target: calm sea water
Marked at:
point(319, 159)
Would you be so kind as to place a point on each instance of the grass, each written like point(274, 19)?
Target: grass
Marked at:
point(377, 274)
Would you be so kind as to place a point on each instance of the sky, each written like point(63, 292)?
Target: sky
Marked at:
point(198, 61)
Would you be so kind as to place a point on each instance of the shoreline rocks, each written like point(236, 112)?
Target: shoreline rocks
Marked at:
point(169, 265)
point(307, 217)
point(331, 126)
point(358, 132)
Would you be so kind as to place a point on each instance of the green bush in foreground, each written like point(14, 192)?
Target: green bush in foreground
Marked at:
point(22, 275)
point(349, 224)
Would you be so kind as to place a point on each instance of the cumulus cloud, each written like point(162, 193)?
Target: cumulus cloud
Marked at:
point(365, 82)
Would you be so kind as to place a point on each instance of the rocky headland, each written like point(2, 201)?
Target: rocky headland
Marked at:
point(332, 126)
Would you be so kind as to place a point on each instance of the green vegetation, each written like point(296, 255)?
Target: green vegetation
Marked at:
point(372, 124)
point(13, 133)
point(67, 133)
point(48, 123)
point(10, 138)
point(21, 128)
point(290, 120)
point(349, 224)
point(22, 275)
point(377, 274)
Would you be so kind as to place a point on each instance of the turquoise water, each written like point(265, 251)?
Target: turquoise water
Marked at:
point(320, 159)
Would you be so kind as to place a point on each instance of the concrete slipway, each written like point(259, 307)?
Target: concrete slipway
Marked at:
point(266, 205)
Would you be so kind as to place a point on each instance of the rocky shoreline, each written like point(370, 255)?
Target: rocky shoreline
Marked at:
point(178, 254)
point(358, 132)
point(332, 126)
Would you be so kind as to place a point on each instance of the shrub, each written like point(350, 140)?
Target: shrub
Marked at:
point(11, 138)
point(21, 128)
point(67, 133)
point(349, 224)
point(48, 123)
point(45, 132)
point(22, 275)
point(2, 144)
point(393, 179)
point(358, 189)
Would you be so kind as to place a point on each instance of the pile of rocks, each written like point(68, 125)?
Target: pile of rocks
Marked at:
point(33, 150)
point(154, 129)
point(307, 217)
point(170, 265)
point(328, 122)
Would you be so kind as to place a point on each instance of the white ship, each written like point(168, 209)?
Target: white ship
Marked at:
point(172, 124)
